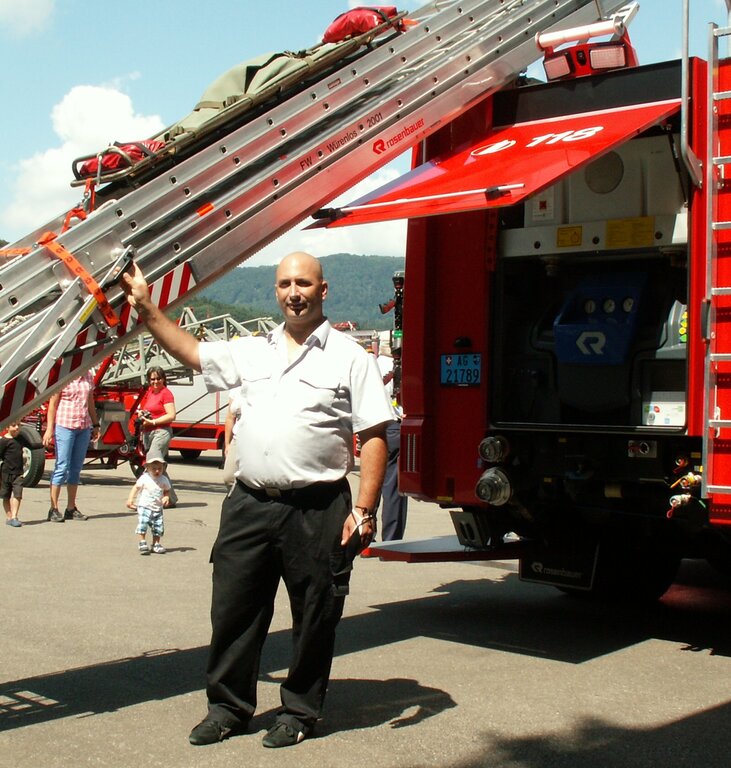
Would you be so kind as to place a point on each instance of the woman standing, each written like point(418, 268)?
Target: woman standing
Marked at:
point(159, 408)
point(71, 424)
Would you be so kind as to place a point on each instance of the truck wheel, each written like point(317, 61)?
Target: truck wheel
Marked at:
point(34, 459)
point(634, 570)
point(190, 454)
point(718, 556)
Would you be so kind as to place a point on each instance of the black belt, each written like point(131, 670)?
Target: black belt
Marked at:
point(296, 495)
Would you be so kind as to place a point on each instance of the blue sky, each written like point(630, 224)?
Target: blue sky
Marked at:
point(79, 75)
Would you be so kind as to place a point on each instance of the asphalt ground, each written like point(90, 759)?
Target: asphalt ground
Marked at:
point(445, 664)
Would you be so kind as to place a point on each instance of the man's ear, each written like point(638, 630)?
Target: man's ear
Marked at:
point(323, 290)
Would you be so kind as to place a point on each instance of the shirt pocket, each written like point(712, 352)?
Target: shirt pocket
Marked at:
point(254, 387)
point(319, 390)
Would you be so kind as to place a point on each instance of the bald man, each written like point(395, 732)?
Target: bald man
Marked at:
point(306, 389)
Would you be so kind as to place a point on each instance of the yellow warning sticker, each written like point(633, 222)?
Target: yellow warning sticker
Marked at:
point(638, 232)
point(568, 237)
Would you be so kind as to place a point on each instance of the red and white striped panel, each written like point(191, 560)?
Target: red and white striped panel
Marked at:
point(19, 392)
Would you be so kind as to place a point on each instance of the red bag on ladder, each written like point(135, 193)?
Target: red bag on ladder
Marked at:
point(112, 160)
point(358, 21)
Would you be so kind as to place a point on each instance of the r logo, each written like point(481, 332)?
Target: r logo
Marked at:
point(379, 146)
point(591, 342)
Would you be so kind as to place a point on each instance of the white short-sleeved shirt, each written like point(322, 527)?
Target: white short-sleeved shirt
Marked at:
point(151, 491)
point(297, 419)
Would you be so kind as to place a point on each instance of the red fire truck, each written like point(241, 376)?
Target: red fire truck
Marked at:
point(566, 365)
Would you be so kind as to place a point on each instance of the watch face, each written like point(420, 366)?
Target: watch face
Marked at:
point(608, 306)
point(628, 304)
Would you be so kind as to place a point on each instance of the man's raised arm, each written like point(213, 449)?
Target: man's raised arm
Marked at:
point(183, 346)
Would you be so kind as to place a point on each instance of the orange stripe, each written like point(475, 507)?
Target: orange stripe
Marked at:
point(48, 241)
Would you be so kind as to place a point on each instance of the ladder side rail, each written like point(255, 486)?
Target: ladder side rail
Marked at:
point(710, 171)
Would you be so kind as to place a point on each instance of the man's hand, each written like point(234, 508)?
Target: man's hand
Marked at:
point(366, 527)
point(183, 346)
point(135, 287)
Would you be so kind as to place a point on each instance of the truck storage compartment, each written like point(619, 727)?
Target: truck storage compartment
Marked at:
point(590, 341)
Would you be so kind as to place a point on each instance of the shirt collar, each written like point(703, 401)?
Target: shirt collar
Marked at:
point(318, 337)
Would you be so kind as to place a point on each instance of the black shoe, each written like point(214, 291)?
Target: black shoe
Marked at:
point(55, 516)
point(74, 514)
point(210, 731)
point(283, 735)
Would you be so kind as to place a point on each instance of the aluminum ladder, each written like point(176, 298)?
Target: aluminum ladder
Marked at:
point(717, 364)
point(61, 311)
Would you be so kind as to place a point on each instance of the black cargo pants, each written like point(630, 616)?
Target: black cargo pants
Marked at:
point(295, 537)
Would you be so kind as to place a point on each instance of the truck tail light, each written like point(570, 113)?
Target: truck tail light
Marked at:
point(557, 66)
point(608, 57)
point(114, 435)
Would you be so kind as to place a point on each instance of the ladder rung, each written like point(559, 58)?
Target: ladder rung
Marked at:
point(722, 31)
point(718, 489)
point(721, 290)
point(722, 160)
point(720, 357)
point(719, 423)
point(719, 225)
point(721, 95)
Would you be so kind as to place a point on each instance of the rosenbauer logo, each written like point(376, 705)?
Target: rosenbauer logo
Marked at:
point(381, 145)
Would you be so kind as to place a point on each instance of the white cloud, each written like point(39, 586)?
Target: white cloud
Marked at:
point(87, 119)
point(383, 239)
point(26, 17)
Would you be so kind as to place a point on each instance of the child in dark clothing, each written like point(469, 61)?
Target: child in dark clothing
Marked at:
point(11, 474)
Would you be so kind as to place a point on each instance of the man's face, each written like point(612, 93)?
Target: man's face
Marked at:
point(300, 290)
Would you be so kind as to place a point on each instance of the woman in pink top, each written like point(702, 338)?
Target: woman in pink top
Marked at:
point(71, 424)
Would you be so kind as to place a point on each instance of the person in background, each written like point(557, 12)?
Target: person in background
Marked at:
point(230, 428)
point(149, 496)
point(71, 424)
point(11, 474)
point(157, 413)
point(395, 505)
point(306, 389)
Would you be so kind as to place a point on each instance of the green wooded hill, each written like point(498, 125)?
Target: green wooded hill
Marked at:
point(358, 284)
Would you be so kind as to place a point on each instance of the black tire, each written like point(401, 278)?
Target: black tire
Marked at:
point(631, 570)
point(190, 454)
point(34, 459)
point(718, 555)
point(136, 466)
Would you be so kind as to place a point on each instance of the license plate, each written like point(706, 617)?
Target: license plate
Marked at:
point(461, 370)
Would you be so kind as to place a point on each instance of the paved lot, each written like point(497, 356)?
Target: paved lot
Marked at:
point(454, 664)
